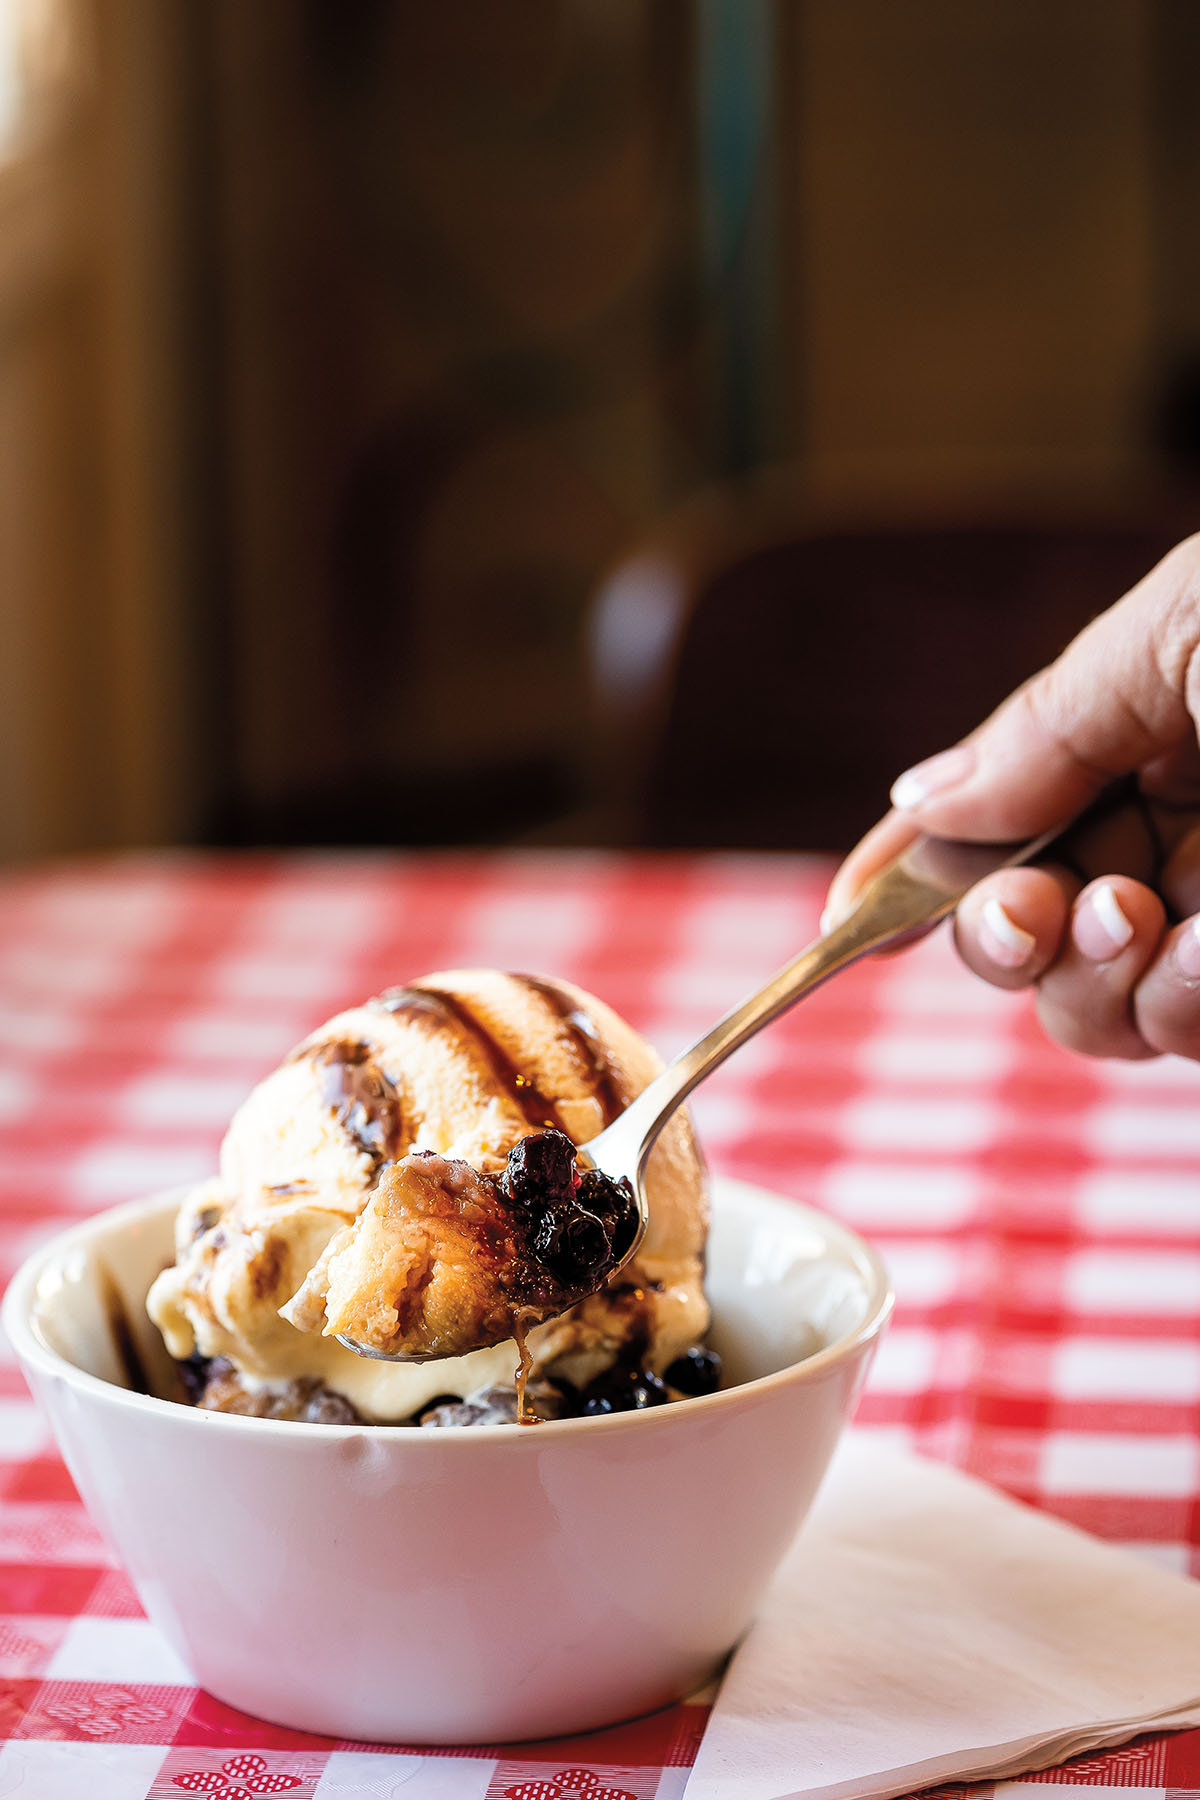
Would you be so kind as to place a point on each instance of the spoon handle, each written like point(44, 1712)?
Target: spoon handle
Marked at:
point(907, 895)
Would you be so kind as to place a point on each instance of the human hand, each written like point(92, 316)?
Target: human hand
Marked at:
point(1112, 940)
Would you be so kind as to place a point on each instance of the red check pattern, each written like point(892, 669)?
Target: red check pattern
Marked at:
point(1040, 1214)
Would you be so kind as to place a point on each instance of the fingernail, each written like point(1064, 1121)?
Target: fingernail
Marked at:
point(1004, 941)
point(827, 922)
point(945, 770)
point(1187, 950)
point(1099, 927)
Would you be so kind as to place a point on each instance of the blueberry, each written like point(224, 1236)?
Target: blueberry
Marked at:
point(573, 1245)
point(695, 1373)
point(438, 1402)
point(451, 1415)
point(193, 1374)
point(326, 1407)
point(624, 1390)
point(540, 1170)
point(613, 1202)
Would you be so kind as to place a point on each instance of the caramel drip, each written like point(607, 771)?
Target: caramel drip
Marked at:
point(539, 1111)
point(521, 1377)
point(585, 1035)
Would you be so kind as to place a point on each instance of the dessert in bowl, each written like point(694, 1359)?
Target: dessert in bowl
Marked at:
point(385, 1581)
point(405, 1180)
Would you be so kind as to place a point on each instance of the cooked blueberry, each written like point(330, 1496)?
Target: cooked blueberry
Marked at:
point(452, 1416)
point(434, 1405)
point(613, 1202)
point(543, 1240)
point(193, 1374)
point(326, 1407)
point(540, 1169)
point(695, 1373)
point(572, 1244)
point(624, 1390)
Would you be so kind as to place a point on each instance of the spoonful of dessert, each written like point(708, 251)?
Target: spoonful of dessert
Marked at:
point(445, 1260)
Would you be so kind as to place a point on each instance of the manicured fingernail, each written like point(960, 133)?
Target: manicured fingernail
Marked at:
point(828, 921)
point(1187, 950)
point(1099, 927)
point(943, 771)
point(1003, 940)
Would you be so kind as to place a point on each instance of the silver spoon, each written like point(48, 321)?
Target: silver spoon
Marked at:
point(913, 891)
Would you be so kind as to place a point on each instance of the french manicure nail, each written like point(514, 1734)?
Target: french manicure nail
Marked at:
point(1004, 941)
point(1187, 950)
point(1100, 928)
point(827, 922)
point(945, 770)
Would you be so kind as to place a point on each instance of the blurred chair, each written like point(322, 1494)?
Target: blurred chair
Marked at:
point(762, 669)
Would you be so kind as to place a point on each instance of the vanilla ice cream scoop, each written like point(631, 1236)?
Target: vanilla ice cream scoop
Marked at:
point(359, 1181)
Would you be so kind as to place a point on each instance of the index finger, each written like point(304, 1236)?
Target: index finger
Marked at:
point(893, 834)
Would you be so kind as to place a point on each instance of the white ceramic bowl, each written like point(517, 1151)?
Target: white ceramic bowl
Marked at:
point(491, 1584)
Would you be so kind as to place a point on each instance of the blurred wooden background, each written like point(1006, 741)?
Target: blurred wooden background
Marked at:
point(346, 352)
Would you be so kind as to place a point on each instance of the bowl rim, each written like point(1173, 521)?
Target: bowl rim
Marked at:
point(33, 1350)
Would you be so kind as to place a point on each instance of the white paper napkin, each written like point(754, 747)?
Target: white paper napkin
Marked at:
point(924, 1628)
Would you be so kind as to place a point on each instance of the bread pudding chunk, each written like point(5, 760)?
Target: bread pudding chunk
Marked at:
point(445, 1259)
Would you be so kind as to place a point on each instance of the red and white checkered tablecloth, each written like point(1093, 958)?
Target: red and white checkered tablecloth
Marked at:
point(1040, 1214)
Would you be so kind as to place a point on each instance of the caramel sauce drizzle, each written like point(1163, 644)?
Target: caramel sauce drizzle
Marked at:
point(521, 1377)
point(585, 1036)
point(538, 1109)
point(363, 1100)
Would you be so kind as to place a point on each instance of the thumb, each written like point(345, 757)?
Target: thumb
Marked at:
point(1116, 698)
